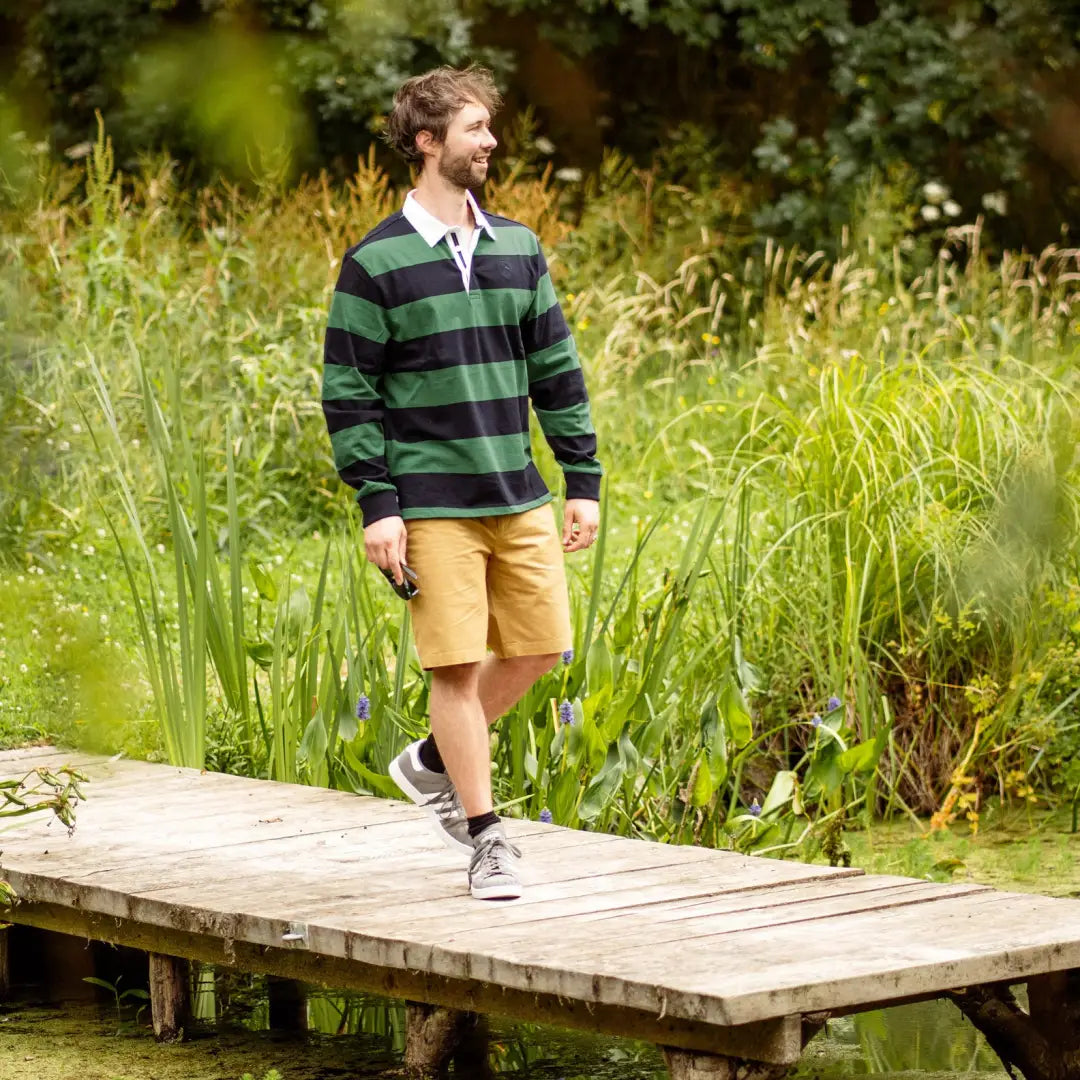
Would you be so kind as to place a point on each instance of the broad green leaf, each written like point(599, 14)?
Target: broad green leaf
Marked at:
point(599, 667)
point(735, 713)
point(703, 789)
point(781, 791)
point(262, 652)
point(862, 757)
point(313, 744)
point(264, 583)
point(603, 786)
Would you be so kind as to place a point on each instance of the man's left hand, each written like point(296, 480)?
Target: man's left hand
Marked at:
point(581, 520)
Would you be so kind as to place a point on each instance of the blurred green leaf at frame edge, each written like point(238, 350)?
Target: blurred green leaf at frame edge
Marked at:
point(222, 86)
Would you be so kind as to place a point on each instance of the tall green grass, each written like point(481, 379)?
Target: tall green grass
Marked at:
point(850, 480)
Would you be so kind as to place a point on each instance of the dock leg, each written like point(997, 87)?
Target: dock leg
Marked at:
point(695, 1065)
point(1042, 1043)
point(169, 997)
point(5, 962)
point(434, 1035)
point(288, 1004)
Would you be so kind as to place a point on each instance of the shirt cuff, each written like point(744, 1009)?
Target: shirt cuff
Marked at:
point(380, 504)
point(583, 485)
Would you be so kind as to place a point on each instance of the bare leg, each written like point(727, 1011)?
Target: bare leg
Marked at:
point(465, 700)
point(461, 733)
point(502, 683)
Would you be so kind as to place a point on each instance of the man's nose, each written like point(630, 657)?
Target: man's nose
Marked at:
point(490, 142)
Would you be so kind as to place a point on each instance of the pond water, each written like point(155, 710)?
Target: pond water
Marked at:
point(356, 1037)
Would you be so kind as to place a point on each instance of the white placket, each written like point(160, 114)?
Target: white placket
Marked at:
point(462, 257)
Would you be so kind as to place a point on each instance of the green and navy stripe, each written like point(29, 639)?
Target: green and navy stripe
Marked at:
point(426, 387)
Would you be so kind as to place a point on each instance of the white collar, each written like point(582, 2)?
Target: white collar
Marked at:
point(431, 228)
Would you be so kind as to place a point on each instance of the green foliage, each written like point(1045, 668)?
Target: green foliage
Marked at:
point(283, 85)
point(807, 102)
point(847, 479)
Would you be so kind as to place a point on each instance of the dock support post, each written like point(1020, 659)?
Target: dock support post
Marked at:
point(435, 1035)
point(5, 962)
point(170, 1005)
point(695, 1065)
point(288, 1004)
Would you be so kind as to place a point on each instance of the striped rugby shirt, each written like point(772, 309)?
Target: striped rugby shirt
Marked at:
point(426, 385)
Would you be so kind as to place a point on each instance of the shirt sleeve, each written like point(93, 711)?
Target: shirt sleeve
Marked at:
point(354, 356)
point(557, 389)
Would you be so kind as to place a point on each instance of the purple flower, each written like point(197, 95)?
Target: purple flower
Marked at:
point(815, 720)
point(834, 703)
point(568, 656)
point(566, 712)
point(363, 707)
point(755, 809)
point(545, 816)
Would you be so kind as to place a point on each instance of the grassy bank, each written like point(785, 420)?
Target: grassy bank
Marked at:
point(838, 573)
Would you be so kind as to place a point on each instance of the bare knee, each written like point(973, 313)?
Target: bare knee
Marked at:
point(540, 664)
point(457, 679)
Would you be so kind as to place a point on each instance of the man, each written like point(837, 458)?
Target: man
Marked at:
point(444, 325)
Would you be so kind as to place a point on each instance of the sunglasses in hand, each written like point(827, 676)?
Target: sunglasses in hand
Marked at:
point(408, 587)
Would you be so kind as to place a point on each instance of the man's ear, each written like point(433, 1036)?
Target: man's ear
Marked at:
point(425, 142)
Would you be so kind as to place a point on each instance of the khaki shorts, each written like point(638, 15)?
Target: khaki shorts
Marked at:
point(495, 581)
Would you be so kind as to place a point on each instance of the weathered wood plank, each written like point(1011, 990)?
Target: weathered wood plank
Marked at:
point(853, 959)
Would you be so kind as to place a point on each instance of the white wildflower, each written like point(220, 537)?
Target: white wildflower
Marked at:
point(544, 145)
point(996, 202)
point(951, 208)
point(568, 174)
point(930, 213)
point(935, 192)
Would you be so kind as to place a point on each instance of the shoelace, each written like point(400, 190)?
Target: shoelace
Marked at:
point(493, 855)
point(446, 803)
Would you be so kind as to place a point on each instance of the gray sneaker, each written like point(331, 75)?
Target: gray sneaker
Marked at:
point(492, 870)
point(436, 793)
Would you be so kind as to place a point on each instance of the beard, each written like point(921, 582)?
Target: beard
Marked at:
point(462, 171)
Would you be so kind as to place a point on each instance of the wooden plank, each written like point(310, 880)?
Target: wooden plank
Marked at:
point(777, 1041)
point(738, 915)
point(556, 909)
point(846, 960)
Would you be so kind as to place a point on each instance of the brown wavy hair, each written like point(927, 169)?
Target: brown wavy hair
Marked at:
point(430, 101)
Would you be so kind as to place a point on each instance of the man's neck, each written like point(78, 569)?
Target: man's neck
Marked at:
point(444, 201)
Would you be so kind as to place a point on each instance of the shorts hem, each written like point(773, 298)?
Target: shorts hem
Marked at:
point(445, 659)
point(511, 649)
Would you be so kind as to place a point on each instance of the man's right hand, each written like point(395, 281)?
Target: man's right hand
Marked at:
point(384, 543)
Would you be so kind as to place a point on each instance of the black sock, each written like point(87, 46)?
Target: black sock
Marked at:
point(479, 823)
point(430, 757)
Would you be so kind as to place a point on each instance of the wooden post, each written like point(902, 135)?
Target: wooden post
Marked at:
point(471, 1057)
point(169, 997)
point(288, 1004)
point(5, 962)
point(434, 1035)
point(694, 1065)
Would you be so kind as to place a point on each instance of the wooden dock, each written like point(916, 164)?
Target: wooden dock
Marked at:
point(722, 959)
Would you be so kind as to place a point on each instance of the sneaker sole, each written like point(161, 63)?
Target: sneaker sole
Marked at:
point(496, 892)
point(417, 797)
